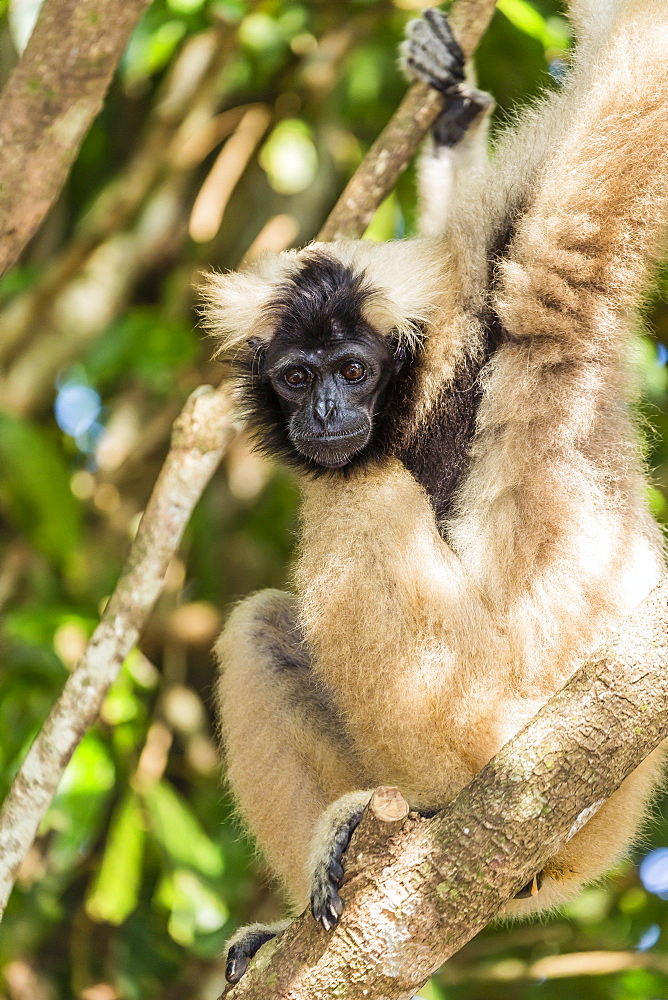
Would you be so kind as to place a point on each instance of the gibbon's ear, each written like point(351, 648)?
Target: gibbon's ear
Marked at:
point(404, 278)
point(234, 309)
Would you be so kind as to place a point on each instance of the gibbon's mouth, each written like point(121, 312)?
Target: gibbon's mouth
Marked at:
point(332, 450)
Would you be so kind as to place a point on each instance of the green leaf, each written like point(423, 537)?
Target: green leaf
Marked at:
point(144, 343)
point(79, 806)
point(151, 46)
point(35, 486)
point(179, 832)
point(115, 891)
point(194, 907)
point(386, 223)
point(552, 32)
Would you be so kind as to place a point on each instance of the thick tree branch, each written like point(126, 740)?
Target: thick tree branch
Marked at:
point(415, 899)
point(48, 104)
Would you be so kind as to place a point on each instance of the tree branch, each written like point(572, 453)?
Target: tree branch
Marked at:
point(392, 151)
point(415, 899)
point(200, 437)
point(48, 104)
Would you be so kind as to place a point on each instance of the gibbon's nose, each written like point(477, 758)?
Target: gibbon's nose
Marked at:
point(323, 410)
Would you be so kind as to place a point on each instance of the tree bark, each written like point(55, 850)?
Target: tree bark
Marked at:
point(416, 898)
point(48, 104)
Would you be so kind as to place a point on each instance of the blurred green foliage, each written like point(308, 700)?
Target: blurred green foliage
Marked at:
point(139, 872)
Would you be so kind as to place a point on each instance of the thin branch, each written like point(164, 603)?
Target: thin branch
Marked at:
point(201, 435)
point(575, 963)
point(392, 151)
point(48, 104)
point(415, 899)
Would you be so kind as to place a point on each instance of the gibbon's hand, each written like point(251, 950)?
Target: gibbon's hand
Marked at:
point(432, 55)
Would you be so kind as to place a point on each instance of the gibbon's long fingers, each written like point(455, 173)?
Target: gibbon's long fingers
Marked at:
point(326, 904)
point(430, 52)
point(531, 888)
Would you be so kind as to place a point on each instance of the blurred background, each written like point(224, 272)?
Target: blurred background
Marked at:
point(230, 128)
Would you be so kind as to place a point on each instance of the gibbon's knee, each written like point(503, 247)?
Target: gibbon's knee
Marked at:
point(287, 752)
point(266, 625)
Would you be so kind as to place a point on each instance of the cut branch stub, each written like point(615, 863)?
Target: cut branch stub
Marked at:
point(384, 816)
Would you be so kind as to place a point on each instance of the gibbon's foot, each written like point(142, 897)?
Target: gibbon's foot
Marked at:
point(432, 54)
point(245, 943)
point(531, 888)
point(326, 904)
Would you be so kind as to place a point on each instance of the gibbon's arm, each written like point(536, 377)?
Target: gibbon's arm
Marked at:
point(556, 480)
point(582, 254)
point(456, 147)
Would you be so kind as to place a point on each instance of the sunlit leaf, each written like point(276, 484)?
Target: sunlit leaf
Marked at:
point(185, 6)
point(658, 503)
point(79, 806)
point(179, 832)
point(151, 47)
point(289, 157)
point(590, 906)
point(552, 33)
point(194, 907)
point(387, 222)
point(260, 32)
point(115, 891)
point(366, 71)
point(653, 372)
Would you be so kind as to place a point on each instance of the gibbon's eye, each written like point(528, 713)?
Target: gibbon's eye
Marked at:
point(296, 376)
point(353, 371)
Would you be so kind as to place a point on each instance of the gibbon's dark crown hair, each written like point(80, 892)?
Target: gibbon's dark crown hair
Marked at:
point(322, 302)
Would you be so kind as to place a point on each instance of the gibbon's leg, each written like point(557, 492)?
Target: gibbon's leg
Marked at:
point(287, 752)
point(457, 144)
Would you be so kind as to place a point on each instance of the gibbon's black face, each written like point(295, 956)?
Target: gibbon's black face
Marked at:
point(329, 392)
point(324, 391)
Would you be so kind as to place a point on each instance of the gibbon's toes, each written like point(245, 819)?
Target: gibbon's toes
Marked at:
point(531, 888)
point(326, 904)
point(431, 53)
point(243, 948)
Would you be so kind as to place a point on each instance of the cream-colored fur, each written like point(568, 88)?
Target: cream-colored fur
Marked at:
point(409, 660)
point(401, 276)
